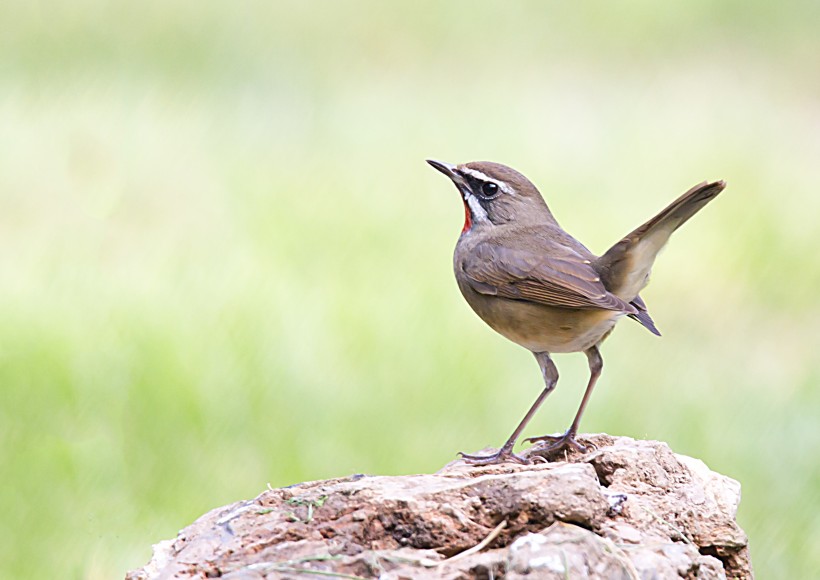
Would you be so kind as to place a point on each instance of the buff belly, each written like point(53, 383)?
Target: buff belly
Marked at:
point(543, 328)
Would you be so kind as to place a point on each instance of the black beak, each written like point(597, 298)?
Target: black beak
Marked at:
point(446, 168)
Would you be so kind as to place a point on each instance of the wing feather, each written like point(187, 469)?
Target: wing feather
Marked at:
point(558, 277)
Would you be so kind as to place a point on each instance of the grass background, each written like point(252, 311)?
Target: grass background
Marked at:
point(223, 261)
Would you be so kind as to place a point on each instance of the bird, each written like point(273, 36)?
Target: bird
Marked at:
point(539, 287)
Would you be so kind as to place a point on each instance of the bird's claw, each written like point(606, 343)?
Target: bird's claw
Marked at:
point(553, 443)
point(501, 456)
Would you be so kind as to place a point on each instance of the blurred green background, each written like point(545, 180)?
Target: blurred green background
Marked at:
point(224, 262)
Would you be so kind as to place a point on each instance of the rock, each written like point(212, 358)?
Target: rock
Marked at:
point(627, 509)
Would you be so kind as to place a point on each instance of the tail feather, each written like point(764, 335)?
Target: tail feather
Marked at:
point(643, 317)
point(625, 267)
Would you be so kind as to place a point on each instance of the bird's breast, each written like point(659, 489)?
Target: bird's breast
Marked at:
point(541, 328)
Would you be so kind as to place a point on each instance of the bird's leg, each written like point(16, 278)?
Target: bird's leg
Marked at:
point(556, 443)
point(550, 373)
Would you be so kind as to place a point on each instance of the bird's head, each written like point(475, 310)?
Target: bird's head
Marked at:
point(494, 194)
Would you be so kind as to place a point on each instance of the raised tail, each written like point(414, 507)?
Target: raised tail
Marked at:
point(625, 267)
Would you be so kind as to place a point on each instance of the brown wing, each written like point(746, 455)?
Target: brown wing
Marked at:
point(557, 277)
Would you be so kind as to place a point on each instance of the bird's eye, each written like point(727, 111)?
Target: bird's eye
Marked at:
point(489, 189)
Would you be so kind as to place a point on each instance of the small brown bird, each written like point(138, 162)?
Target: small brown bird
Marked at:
point(541, 288)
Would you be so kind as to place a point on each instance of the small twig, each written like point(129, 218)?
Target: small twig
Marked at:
point(478, 547)
point(311, 558)
point(288, 566)
point(247, 506)
point(274, 568)
point(565, 562)
point(622, 558)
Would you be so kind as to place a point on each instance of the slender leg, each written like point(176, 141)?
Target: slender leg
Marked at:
point(550, 373)
point(596, 364)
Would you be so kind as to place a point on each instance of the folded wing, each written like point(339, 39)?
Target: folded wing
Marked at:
point(553, 276)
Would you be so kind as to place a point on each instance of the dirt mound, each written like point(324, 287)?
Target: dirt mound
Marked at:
point(628, 509)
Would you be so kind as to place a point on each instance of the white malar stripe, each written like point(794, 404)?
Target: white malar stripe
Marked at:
point(479, 214)
point(478, 175)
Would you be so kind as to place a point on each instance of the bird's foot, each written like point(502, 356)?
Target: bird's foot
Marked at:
point(553, 443)
point(503, 455)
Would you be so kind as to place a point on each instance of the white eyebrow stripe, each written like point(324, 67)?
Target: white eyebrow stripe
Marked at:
point(475, 173)
point(478, 175)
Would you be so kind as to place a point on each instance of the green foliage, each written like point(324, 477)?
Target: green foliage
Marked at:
point(224, 262)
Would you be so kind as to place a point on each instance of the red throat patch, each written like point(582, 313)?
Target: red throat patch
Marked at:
point(468, 220)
